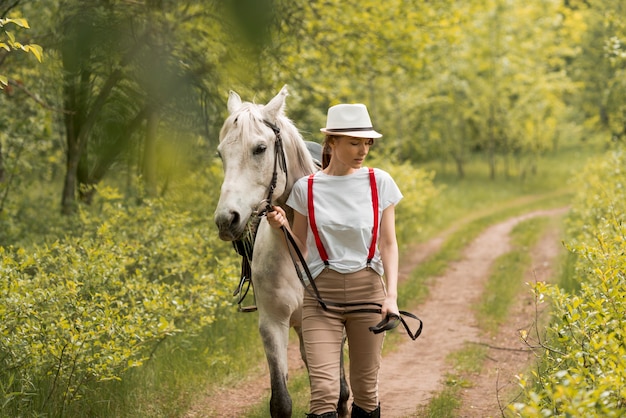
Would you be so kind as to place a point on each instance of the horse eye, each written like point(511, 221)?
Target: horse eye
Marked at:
point(259, 149)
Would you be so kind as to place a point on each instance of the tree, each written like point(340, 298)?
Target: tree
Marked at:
point(123, 69)
point(602, 67)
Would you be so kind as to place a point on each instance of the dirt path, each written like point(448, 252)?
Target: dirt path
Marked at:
point(411, 375)
point(507, 353)
point(416, 369)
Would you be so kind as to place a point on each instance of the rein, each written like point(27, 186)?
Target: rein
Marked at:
point(390, 322)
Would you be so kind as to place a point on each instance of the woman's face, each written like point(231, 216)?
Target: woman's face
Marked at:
point(350, 151)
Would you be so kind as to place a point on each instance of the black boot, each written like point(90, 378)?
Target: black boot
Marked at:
point(357, 412)
point(332, 414)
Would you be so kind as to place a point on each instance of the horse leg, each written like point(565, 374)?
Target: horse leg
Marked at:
point(275, 337)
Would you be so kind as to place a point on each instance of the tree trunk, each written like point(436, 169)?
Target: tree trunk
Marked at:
point(72, 125)
point(149, 164)
point(491, 145)
point(460, 169)
point(1, 165)
point(68, 200)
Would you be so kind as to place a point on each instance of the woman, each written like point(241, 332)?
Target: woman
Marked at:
point(344, 225)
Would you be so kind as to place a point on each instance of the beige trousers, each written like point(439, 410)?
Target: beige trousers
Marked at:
point(323, 333)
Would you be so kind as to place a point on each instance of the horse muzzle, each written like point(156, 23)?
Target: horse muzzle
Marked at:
point(230, 225)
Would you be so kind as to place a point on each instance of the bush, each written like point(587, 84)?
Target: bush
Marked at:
point(90, 305)
point(414, 211)
point(583, 368)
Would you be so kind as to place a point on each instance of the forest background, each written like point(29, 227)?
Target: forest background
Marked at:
point(111, 111)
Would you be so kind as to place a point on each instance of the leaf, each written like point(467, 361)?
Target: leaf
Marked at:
point(23, 23)
point(36, 50)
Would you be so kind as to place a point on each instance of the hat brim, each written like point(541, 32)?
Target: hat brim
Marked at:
point(355, 134)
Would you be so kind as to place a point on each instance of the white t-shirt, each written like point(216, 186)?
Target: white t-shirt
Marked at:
point(344, 217)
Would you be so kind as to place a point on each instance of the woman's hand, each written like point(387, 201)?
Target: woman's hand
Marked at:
point(390, 306)
point(277, 217)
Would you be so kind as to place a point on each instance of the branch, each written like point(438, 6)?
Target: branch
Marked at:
point(521, 350)
point(6, 12)
point(102, 97)
point(37, 99)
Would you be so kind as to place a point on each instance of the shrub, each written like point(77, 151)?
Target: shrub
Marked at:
point(96, 302)
point(419, 192)
point(583, 367)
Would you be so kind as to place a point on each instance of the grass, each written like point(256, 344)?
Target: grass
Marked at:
point(505, 281)
point(446, 403)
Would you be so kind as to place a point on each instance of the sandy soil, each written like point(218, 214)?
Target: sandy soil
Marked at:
point(416, 370)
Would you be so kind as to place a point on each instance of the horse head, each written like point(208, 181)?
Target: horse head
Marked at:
point(248, 151)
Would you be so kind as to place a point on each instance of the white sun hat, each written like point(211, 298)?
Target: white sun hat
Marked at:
point(350, 120)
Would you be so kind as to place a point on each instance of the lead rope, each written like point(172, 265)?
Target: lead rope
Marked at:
point(390, 322)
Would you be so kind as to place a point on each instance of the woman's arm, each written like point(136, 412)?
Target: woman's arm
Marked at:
point(388, 245)
point(277, 218)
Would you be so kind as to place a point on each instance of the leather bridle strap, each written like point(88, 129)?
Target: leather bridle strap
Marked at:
point(244, 247)
point(279, 160)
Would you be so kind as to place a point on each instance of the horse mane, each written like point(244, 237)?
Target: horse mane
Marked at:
point(296, 149)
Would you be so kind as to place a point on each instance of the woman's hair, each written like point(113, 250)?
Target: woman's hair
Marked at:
point(327, 151)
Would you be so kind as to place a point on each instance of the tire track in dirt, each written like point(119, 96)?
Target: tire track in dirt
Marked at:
point(415, 369)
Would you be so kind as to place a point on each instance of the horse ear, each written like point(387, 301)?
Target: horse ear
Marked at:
point(276, 105)
point(234, 102)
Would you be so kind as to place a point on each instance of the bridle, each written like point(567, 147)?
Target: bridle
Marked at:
point(391, 321)
point(245, 245)
point(279, 160)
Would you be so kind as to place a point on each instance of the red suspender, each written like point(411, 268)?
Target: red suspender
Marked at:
point(370, 256)
point(316, 235)
point(318, 241)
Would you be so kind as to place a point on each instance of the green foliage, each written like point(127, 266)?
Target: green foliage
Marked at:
point(9, 43)
point(600, 66)
point(92, 304)
point(419, 193)
point(445, 404)
point(584, 360)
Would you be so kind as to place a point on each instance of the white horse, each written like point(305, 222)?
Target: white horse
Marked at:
point(253, 170)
